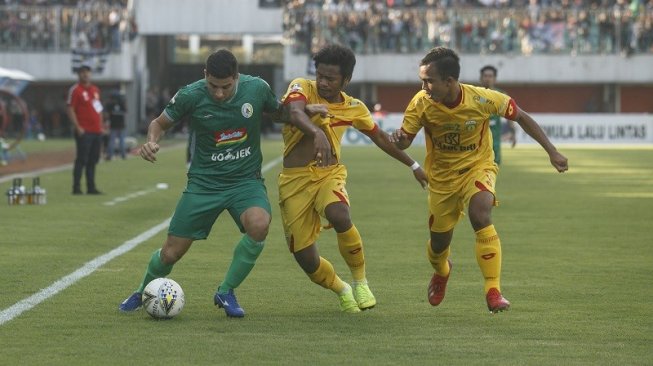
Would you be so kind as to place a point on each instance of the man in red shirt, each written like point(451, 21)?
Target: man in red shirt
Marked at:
point(85, 112)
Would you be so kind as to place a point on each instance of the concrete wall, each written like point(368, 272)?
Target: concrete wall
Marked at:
point(206, 17)
point(540, 69)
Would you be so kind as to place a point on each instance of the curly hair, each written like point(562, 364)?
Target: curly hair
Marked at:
point(334, 54)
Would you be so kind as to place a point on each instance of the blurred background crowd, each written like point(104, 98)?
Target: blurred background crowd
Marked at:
point(53, 25)
point(473, 26)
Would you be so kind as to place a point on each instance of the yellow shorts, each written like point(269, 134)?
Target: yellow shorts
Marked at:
point(304, 193)
point(447, 201)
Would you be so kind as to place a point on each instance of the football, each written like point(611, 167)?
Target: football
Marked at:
point(163, 298)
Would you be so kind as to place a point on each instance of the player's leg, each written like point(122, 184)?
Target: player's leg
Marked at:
point(488, 244)
point(250, 210)
point(445, 211)
point(91, 162)
point(160, 265)
point(192, 220)
point(321, 272)
point(82, 147)
point(302, 225)
point(332, 202)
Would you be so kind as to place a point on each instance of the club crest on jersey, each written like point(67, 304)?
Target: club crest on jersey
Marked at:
point(296, 87)
point(470, 125)
point(247, 110)
point(228, 137)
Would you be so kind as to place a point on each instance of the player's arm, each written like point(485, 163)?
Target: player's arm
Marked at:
point(401, 139)
point(531, 127)
point(321, 145)
point(383, 141)
point(155, 131)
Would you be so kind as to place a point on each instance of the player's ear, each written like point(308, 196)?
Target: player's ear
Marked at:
point(345, 82)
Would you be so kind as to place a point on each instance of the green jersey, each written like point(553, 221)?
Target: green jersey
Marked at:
point(225, 141)
point(495, 130)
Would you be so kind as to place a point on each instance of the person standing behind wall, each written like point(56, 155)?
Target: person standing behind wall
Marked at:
point(85, 112)
point(116, 111)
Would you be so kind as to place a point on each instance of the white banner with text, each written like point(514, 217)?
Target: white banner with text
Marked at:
point(560, 128)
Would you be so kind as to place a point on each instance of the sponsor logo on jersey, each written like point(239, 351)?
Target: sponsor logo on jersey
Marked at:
point(296, 88)
point(247, 110)
point(230, 136)
point(470, 125)
point(230, 155)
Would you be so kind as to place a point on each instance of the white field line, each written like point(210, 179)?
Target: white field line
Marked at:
point(121, 199)
point(90, 267)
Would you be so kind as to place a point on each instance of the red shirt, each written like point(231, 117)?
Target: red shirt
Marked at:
point(85, 101)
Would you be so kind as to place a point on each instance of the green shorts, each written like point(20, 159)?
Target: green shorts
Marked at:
point(196, 212)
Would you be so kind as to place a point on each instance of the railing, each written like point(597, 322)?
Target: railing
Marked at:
point(62, 28)
point(528, 30)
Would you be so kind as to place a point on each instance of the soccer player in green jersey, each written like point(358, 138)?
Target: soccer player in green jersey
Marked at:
point(224, 110)
point(488, 80)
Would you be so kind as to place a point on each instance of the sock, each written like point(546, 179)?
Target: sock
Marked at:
point(350, 245)
point(245, 255)
point(439, 261)
point(488, 256)
point(155, 269)
point(326, 277)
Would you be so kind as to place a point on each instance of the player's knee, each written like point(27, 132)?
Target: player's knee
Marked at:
point(480, 220)
point(258, 229)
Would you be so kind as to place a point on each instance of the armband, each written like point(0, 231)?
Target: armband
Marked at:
point(415, 166)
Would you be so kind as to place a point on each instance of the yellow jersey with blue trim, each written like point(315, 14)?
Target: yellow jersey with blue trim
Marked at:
point(457, 136)
point(349, 113)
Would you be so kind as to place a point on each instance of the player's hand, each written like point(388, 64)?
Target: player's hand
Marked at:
point(399, 136)
point(148, 151)
point(421, 177)
point(313, 109)
point(559, 161)
point(323, 155)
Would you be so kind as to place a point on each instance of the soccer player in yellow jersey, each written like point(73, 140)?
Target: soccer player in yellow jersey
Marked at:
point(312, 182)
point(460, 164)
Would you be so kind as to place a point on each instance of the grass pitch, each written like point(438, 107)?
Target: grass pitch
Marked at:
point(577, 260)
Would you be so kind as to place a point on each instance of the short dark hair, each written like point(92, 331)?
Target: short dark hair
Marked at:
point(491, 68)
point(334, 54)
point(222, 64)
point(445, 59)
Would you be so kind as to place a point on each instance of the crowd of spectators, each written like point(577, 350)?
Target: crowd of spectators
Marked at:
point(61, 25)
point(472, 26)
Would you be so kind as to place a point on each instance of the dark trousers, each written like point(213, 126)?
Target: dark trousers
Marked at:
point(88, 154)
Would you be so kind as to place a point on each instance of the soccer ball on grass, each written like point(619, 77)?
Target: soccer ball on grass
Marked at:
point(163, 298)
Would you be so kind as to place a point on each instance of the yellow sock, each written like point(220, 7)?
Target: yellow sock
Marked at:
point(350, 244)
point(488, 256)
point(439, 260)
point(326, 277)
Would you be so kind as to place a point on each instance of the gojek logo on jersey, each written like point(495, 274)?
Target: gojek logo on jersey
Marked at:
point(232, 155)
point(229, 137)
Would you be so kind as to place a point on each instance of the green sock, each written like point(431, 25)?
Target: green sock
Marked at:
point(244, 259)
point(155, 269)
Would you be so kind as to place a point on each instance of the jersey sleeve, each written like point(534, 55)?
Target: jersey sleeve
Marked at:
point(179, 105)
point(363, 120)
point(412, 122)
point(297, 90)
point(507, 108)
point(270, 101)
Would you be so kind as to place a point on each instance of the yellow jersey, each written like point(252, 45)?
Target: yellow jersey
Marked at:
point(457, 137)
point(350, 113)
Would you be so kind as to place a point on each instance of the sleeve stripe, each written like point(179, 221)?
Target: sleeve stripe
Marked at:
point(293, 97)
point(340, 123)
point(511, 111)
point(372, 131)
